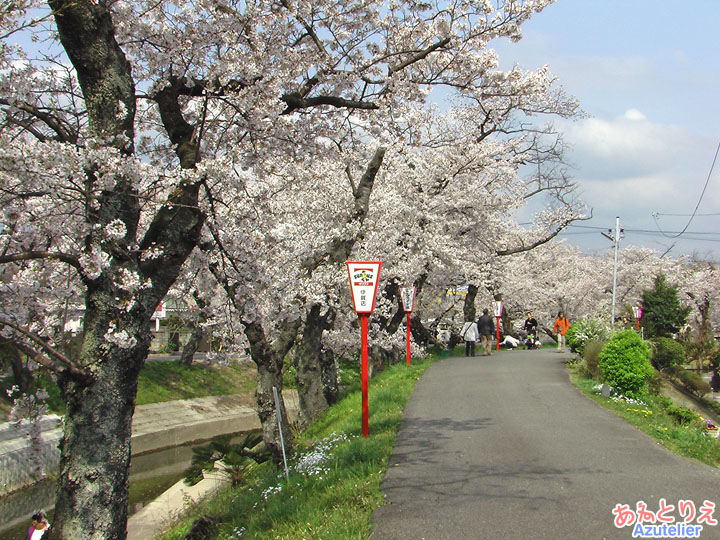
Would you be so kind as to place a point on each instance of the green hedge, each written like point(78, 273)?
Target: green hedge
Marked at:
point(625, 364)
point(668, 354)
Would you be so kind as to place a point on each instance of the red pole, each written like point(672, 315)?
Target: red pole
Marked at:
point(408, 339)
point(638, 324)
point(498, 333)
point(364, 371)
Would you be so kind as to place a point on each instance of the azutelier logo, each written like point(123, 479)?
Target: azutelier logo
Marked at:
point(664, 523)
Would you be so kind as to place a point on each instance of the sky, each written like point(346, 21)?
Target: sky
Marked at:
point(647, 76)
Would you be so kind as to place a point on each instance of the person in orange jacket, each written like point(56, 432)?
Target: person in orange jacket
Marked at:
point(561, 327)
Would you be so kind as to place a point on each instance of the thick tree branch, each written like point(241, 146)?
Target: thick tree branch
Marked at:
point(296, 101)
point(420, 55)
point(88, 35)
point(63, 135)
point(544, 240)
point(339, 248)
point(175, 231)
point(35, 255)
point(180, 132)
point(54, 361)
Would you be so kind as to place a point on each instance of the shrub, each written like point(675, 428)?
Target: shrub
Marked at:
point(694, 382)
point(668, 354)
point(592, 358)
point(625, 363)
point(681, 415)
point(583, 331)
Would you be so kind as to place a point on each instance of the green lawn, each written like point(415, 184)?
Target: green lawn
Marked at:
point(163, 381)
point(680, 430)
point(168, 381)
point(334, 482)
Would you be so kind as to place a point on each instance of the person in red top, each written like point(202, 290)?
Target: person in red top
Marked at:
point(561, 327)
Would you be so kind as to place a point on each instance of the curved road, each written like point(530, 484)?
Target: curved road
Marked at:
point(504, 447)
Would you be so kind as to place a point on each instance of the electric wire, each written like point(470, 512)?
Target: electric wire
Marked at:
point(707, 181)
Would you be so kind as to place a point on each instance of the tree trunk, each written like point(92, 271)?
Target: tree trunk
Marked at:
point(99, 388)
point(93, 479)
point(328, 368)
point(469, 305)
point(191, 346)
point(21, 374)
point(269, 376)
point(506, 324)
point(420, 333)
point(381, 358)
point(308, 366)
point(269, 361)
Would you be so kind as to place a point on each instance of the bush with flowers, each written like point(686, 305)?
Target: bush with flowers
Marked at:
point(584, 331)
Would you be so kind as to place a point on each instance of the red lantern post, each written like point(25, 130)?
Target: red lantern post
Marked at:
point(497, 310)
point(364, 375)
point(364, 277)
point(637, 311)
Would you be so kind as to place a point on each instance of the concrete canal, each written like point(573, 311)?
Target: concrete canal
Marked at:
point(163, 437)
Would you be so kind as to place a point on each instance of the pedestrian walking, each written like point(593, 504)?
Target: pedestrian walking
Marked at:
point(485, 326)
point(470, 335)
point(39, 526)
point(562, 325)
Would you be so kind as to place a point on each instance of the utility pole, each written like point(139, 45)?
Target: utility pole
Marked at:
point(616, 240)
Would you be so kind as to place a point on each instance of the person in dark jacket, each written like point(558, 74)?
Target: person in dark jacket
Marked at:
point(530, 324)
point(485, 327)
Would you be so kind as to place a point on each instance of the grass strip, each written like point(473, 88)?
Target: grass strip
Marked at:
point(335, 475)
point(679, 429)
point(169, 381)
point(160, 381)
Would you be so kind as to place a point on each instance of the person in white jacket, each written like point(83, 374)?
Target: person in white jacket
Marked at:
point(470, 335)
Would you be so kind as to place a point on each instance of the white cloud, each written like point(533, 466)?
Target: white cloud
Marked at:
point(632, 146)
point(632, 167)
point(634, 114)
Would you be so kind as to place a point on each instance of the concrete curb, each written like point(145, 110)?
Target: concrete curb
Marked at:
point(155, 426)
point(160, 514)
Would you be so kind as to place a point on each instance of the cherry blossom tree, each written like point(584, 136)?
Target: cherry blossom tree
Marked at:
point(559, 277)
point(699, 282)
point(131, 128)
point(489, 166)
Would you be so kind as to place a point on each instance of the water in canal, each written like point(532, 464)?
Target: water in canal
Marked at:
point(150, 475)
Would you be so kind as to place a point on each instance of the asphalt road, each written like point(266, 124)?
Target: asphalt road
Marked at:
point(504, 447)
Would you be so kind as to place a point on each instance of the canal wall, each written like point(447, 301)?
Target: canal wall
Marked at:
point(155, 426)
point(16, 469)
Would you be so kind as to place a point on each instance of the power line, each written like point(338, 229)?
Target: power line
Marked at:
point(707, 181)
point(686, 215)
point(639, 231)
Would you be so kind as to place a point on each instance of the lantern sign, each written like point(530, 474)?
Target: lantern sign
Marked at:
point(160, 313)
point(637, 311)
point(497, 310)
point(407, 295)
point(364, 277)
